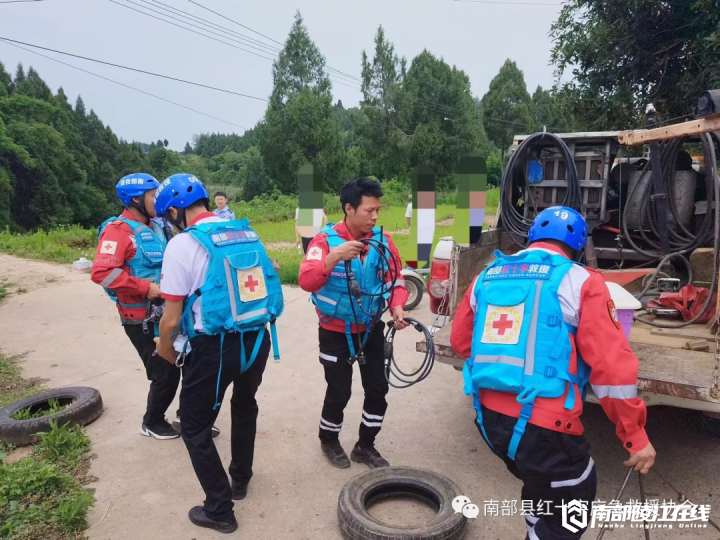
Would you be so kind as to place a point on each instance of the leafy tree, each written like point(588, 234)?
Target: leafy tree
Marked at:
point(623, 55)
point(188, 149)
point(441, 113)
point(6, 85)
point(255, 179)
point(507, 106)
point(550, 111)
point(165, 143)
point(33, 86)
point(19, 75)
point(80, 106)
point(299, 125)
point(382, 95)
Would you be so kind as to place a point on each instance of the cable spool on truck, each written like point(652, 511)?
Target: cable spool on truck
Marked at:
point(622, 182)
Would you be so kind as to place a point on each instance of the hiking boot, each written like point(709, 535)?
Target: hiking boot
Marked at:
point(162, 431)
point(176, 427)
point(369, 456)
point(335, 454)
point(239, 490)
point(198, 517)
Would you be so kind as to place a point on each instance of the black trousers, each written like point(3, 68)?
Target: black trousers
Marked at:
point(334, 354)
point(197, 399)
point(554, 467)
point(305, 243)
point(163, 376)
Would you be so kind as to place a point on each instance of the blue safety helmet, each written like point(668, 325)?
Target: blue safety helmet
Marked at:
point(179, 191)
point(562, 224)
point(134, 185)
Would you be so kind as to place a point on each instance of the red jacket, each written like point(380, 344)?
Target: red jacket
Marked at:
point(115, 247)
point(313, 274)
point(586, 303)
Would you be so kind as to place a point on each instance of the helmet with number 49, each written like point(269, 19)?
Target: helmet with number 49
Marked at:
point(562, 224)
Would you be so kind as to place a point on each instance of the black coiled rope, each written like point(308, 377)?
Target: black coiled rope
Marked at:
point(391, 368)
point(514, 221)
point(406, 380)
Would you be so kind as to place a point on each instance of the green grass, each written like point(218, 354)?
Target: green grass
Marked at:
point(12, 386)
point(3, 292)
point(26, 414)
point(62, 245)
point(40, 497)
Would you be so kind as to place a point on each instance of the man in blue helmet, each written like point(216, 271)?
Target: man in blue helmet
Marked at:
point(127, 264)
point(536, 329)
point(220, 286)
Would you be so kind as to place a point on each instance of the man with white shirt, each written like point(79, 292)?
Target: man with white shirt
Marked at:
point(197, 295)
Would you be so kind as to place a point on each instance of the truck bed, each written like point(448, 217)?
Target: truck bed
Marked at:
point(668, 374)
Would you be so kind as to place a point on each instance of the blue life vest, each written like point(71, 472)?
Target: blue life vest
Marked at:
point(520, 342)
point(242, 290)
point(333, 300)
point(150, 246)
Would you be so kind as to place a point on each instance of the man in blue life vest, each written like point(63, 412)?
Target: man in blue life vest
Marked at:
point(220, 286)
point(346, 327)
point(127, 264)
point(536, 328)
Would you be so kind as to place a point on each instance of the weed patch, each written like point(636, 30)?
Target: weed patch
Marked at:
point(27, 414)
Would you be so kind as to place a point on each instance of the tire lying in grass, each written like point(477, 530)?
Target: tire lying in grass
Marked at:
point(360, 493)
point(82, 406)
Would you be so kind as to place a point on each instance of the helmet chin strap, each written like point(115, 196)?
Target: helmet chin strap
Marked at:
point(180, 220)
point(140, 207)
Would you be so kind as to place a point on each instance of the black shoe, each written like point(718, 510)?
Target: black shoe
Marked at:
point(198, 517)
point(163, 431)
point(176, 427)
point(369, 456)
point(239, 490)
point(335, 454)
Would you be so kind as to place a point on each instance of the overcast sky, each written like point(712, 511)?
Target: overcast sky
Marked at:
point(475, 37)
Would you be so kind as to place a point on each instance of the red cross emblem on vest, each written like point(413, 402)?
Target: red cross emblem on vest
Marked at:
point(251, 284)
point(503, 324)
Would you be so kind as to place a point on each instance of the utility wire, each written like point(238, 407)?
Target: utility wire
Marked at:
point(235, 22)
point(266, 37)
point(126, 86)
point(205, 35)
point(189, 24)
point(233, 32)
point(134, 69)
point(19, 1)
point(270, 48)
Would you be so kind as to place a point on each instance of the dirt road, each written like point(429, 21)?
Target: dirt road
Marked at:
point(70, 332)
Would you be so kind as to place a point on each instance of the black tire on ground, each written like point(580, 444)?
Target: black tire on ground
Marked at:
point(83, 405)
point(364, 490)
point(419, 286)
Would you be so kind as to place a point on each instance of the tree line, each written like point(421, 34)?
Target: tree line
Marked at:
point(59, 164)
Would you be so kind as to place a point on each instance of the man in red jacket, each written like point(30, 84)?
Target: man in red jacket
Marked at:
point(346, 331)
point(127, 264)
point(575, 328)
